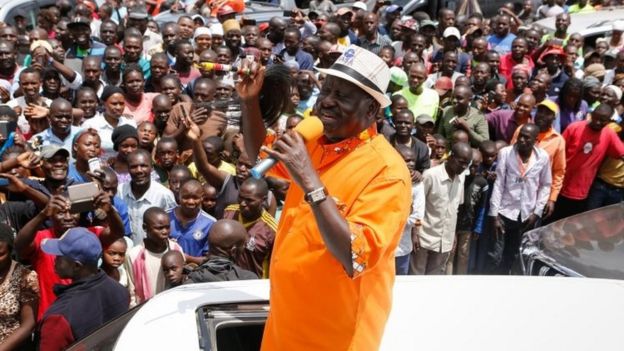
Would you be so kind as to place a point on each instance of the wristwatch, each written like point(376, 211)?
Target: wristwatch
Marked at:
point(316, 196)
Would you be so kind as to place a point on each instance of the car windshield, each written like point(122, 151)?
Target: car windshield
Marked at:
point(401, 3)
point(590, 244)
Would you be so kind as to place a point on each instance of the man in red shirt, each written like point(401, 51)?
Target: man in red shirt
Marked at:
point(29, 240)
point(517, 56)
point(587, 144)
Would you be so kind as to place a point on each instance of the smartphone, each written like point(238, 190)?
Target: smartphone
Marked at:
point(288, 13)
point(35, 143)
point(206, 105)
point(81, 196)
point(249, 22)
point(452, 120)
point(95, 165)
point(4, 182)
point(7, 127)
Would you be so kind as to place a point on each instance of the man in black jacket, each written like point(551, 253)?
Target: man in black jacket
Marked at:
point(90, 301)
point(226, 241)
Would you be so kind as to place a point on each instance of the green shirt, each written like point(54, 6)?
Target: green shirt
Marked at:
point(547, 37)
point(577, 9)
point(425, 103)
point(477, 125)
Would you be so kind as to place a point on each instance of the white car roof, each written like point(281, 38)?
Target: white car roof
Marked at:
point(587, 24)
point(432, 313)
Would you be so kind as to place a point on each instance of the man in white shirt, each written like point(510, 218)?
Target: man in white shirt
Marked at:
point(444, 192)
point(142, 193)
point(521, 191)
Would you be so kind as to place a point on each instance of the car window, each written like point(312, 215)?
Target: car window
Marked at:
point(28, 11)
point(105, 338)
point(232, 327)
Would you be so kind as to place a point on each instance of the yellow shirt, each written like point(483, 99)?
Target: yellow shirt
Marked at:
point(612, 169)
point(224, 166)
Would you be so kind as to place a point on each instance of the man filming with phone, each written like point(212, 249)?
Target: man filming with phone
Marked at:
point(108, 228)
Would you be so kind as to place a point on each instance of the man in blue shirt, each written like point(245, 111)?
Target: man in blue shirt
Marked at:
point(190, 224)
point(61, 131)
point(501, 40)
point(292, 50)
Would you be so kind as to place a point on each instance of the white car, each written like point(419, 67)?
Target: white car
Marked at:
point(429, 313)
point(592, 25)
point(27, 9)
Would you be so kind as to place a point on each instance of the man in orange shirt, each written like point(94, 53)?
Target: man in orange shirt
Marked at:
point(332, 267)
point(554, 145)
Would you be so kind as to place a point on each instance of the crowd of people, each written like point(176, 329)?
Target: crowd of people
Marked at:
point(125, 169)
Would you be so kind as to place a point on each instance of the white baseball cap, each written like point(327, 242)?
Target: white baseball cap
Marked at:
point(451, 32)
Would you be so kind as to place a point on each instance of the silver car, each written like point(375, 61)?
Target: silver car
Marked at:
point(590, 244)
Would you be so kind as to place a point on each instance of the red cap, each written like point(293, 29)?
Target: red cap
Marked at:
point(552, 51)
point(225, 10)
point(263, 26)
point(443, 85)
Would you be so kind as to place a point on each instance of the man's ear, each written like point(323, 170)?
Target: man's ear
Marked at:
point(373, 110)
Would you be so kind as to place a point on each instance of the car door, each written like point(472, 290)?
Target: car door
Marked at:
point(232, 327)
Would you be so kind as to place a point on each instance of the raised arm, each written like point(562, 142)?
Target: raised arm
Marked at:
point(24, 241)
point(213, 175)
point(114, 225)
point(17, 186)
point(253, 125)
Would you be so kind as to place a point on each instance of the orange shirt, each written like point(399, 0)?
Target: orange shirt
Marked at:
point(315, 305)
point(554, 145)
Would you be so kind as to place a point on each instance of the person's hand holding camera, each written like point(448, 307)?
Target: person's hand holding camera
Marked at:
point(103, 202)
point(28, 160)
point(57, 203)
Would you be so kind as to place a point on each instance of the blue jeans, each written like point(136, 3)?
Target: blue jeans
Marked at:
point(402, 264)
point(603, 194)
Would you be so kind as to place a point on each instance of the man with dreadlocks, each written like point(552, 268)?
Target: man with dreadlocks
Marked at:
point(345, 209)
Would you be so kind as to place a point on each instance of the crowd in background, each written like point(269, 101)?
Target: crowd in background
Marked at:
point(502, 127)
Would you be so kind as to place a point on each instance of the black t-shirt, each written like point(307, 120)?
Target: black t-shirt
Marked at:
point(17, 213)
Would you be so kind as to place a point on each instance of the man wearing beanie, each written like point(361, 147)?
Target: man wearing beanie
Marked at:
point(90, 301)
point(233, 38)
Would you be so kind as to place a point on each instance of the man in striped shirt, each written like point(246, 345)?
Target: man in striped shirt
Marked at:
point(260, 225)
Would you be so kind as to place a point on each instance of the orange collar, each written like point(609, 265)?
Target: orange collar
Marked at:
point(332, 152)
point(545, 135)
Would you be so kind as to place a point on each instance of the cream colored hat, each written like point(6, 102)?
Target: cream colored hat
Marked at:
point(364, 69)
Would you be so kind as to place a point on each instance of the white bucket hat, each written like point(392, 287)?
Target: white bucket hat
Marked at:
point(364, 69)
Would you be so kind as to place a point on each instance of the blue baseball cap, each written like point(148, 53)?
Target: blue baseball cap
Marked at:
point(77, 244)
